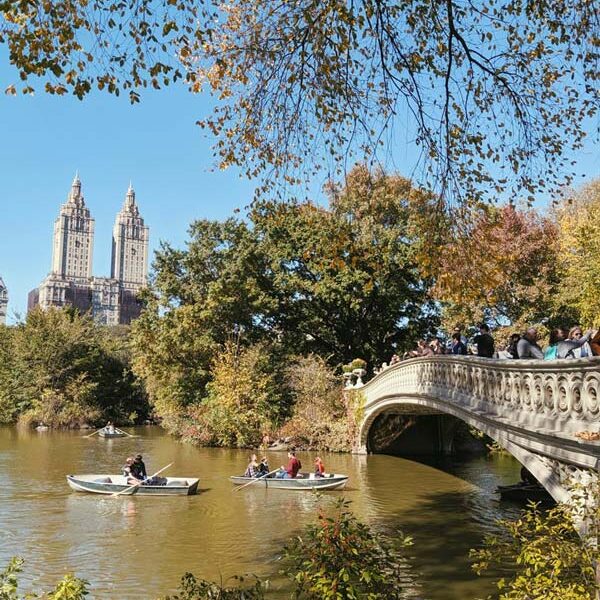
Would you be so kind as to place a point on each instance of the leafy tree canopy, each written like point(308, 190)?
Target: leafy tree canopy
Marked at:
point(494, 94)
point(63, 369)
point(502, 268)
point(339, 282)
point(579, 220)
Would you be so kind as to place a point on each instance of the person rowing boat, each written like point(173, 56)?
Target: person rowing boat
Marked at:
point(293, 466)
point(135, 472)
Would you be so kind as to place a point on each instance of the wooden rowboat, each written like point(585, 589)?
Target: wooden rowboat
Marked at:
point(116, 434)
point(329, 481)
point(524, 492)
point(111, 484)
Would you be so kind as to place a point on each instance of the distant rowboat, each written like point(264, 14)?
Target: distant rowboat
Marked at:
point(329, 481)
point(111, 484)
point(117, 433)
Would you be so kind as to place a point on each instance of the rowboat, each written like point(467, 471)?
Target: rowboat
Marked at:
point(524, 492)
point(111, 484)
point(117, 433)
point(303, 481)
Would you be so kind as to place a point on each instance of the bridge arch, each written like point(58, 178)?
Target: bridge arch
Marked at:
point(531, 408)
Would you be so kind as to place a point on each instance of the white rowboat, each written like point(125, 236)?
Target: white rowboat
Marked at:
point(329, 481)
point(112, 484)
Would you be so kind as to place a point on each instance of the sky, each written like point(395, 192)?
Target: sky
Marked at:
point(155, 144)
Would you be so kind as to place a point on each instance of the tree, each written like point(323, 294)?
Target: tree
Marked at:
point(201, 298)
point(339, 282)
point(320, 410)
point(9, 409)
point(494, 94)
point(579, 234)
point(243, 400)
point(78, 46)
point(502, 268)
point(345, 278)
point(65, 370)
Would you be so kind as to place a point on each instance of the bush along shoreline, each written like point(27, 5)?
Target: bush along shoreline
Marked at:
point(61, 369)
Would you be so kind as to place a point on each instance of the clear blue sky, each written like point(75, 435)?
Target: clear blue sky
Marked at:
point(156, 144)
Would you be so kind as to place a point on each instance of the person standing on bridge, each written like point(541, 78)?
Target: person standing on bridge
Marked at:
point(484, 342)
point(458, 346)
point(528, 347)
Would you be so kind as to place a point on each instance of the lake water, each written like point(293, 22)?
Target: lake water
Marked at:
point(138, 547)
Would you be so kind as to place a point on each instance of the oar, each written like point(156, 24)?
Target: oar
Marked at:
point(140, 482)
point(255, 480)
point(121, 431)
point(95, 432)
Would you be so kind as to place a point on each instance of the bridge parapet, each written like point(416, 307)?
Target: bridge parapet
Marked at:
point(560, 396)
point(532, 408)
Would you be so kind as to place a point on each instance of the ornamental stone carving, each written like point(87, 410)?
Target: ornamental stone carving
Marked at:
point(532, 408)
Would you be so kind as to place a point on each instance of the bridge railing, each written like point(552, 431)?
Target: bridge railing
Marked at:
point(560, 395)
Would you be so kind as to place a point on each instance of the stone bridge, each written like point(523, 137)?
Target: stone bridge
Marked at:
point(532, 408)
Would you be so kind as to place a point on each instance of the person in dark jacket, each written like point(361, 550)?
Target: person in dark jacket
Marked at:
point(130, 473)
point(263, 467)
point(512, 345)
point(484, 342)
point(138, 468)
point(458, 346)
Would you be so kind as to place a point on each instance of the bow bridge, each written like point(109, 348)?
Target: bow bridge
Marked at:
point(532, 408)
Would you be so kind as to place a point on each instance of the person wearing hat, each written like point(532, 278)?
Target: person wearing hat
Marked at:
point(138, 468)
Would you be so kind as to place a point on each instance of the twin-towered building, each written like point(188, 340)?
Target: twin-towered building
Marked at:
point(111, 300)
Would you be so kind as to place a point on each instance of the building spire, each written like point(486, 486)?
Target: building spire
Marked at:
point(130, 198)
point(75, 188)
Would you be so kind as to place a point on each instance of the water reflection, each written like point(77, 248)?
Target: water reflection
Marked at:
point(141, 546)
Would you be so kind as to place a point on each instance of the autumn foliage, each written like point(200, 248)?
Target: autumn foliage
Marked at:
point(579, 252)
point(502, 268)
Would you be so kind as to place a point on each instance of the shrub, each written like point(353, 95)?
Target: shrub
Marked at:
point(544, 555)
point(194, 589)
point(340, 557)
point(242, 400)
point(359, 363)
point(319, 415)
point(69, 588)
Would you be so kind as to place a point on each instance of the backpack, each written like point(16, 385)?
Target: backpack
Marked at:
point(551, 352)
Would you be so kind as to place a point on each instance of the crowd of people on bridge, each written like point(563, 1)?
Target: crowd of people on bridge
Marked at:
point(563, 343)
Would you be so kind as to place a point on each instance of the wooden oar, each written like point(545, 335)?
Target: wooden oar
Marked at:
point(255, 480)
point(95, 432)
point(121, 431)
point(140, 482)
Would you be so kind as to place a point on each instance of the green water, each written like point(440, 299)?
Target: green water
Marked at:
point(138, 547)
